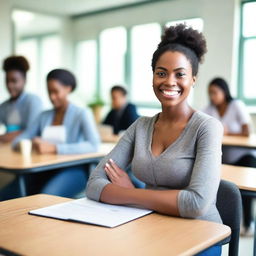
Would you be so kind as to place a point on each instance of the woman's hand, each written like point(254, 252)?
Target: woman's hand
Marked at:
point(117, 176)
point(43, 147)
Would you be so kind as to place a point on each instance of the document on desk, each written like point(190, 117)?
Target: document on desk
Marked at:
point(87, 211)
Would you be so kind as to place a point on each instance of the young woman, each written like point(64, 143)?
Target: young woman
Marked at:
point(66, 129)
point(236, 121)
point(21, 109)
point(176, 153)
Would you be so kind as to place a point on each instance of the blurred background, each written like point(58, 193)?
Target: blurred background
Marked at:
point(111, 42)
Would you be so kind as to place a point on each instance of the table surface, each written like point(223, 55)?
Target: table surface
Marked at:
point(243, 177)
point(240, 141)
point(153, 234)
point(10, 159)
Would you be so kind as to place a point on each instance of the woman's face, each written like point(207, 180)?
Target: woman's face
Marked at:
point(15, 82)
point(58, 93)
point(216, 94)
point(172, 78)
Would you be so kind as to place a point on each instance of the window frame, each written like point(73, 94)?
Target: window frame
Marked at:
point(242, 41)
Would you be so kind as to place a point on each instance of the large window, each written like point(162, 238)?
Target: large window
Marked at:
point(43, 54)
point(122, 56)
point(112, 59)
point(86, 70)
point(247, 81)
point(144, 40)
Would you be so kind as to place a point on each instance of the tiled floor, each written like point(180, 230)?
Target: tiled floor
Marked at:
point(245, 247)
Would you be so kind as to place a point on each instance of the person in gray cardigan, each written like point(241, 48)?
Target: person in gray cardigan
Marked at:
point(176, 153)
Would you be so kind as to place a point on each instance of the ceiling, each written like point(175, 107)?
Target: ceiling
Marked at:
point(70, 7)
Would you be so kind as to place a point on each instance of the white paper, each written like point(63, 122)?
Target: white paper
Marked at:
point(54, 134)
point(92, 212)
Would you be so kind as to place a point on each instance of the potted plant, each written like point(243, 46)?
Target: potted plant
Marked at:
point(96, 107)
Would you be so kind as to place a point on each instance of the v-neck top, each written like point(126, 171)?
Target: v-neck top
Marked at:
point(191, 164)
point(81, 131)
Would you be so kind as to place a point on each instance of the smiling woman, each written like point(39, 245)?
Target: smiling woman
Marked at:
point(176, 153)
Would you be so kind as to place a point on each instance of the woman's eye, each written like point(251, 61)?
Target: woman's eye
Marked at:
point(161, 74)
point(181, 74)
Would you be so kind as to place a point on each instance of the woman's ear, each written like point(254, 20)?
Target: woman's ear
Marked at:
point(194, 78)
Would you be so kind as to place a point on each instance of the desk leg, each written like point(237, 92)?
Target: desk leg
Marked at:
point(22, 186)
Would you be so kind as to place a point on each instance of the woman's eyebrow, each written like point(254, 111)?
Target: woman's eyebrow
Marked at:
point(176, 69)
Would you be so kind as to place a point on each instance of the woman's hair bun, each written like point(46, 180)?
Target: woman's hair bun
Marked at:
point(186, 36)
point(19, 63)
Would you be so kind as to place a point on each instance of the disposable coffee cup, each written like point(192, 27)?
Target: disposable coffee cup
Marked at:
point(25, 147)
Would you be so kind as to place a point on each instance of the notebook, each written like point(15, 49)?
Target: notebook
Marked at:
point(88, 211)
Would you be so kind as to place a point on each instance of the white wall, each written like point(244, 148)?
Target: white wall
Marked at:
point(220, 22)
point(6, 40)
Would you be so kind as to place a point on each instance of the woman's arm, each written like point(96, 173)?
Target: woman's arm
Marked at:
point(245, 131)
point(8, 137)
point(191, 202)
point(91, 137)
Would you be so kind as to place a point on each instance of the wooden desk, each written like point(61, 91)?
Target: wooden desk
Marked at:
point(15, 163)
point(153, 234)
point(240, 141)
point(243, 177)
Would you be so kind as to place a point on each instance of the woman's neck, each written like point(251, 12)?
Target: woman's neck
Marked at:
point(176, 113)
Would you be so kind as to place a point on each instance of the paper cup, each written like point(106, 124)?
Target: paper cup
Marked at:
point(25, 147)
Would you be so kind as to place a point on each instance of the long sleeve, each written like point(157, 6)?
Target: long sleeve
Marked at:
point(91, 139)
point(122, 154)
point(35, 107)
point(31, 132)
point(195, 200)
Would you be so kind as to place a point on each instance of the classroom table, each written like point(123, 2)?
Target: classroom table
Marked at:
point(153, 234)
point(245, 179)
point(14, 163)
point(240, 141)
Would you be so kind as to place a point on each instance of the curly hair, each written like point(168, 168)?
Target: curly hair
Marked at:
point(184, 39)
point(64, 76)
point(19, 63)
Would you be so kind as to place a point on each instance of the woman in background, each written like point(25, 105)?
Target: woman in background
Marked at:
point(66, 129)
point(21, 109)
point(236, 120)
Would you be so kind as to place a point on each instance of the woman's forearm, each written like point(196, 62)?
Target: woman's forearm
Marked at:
point(164, 201)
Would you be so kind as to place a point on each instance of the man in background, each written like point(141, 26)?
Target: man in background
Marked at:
point(123, 113)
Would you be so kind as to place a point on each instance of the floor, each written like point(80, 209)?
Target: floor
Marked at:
point(245, 247)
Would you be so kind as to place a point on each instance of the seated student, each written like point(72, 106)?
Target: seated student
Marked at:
point(235, 119)
point(123, 114)
point(66, 129)
point(177, 152)
point(21, 109)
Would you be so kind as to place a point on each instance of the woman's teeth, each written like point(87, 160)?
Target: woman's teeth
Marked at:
point(170, 93)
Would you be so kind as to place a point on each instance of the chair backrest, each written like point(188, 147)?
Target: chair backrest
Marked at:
point(229, 205)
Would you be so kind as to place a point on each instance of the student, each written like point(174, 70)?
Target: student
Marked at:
point(123, 114)
point(66, 129)
point(177, 152)
point(21, 109)
point(235, 119)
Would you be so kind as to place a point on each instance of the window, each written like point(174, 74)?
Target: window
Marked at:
point(144, 41)
point(86, 66)
point(195, 23)
point(112, 59)
point(29, 49)
point(247, 80)
point(43, 54)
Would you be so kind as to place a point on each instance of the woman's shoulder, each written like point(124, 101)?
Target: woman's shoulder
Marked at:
point(203, 121)
point(236, 103)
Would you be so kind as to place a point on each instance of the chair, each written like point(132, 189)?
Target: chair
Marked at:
point(229, 205)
